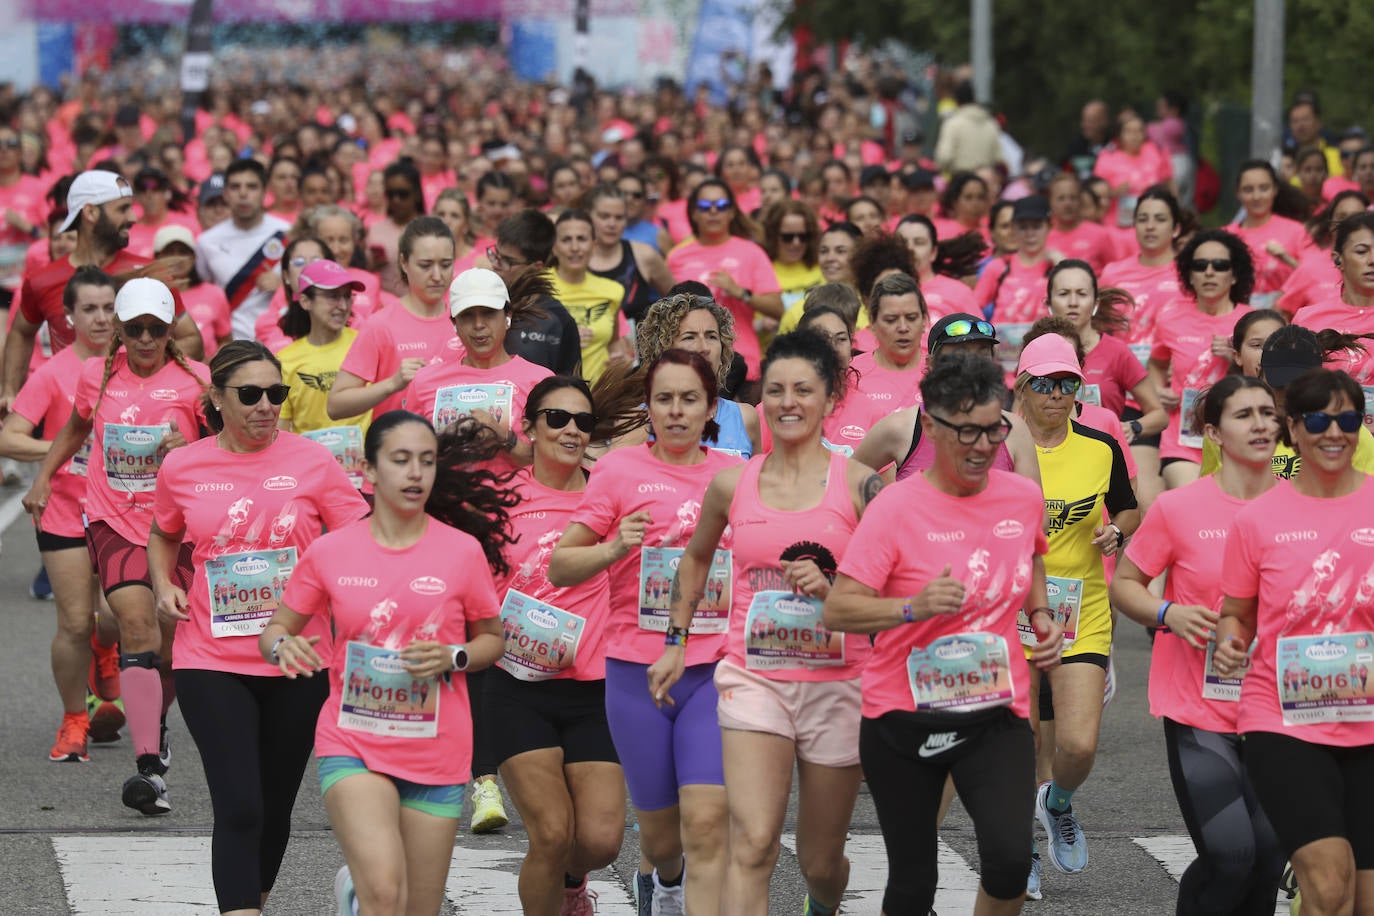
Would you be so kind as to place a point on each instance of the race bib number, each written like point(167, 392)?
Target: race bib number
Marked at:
point(1065, 598)
point(131, 458)
point(1325, 678)
point(458, 401)
point(541, 640)
point(382, 698)
point(1090, 394)
point(345, 443)
point(1188, 437)
point(784, 630)
point(245, 589)
point(965, 672)
point(657, 566)
point(1368, 404)
point(80, 463)
point(1218, 686)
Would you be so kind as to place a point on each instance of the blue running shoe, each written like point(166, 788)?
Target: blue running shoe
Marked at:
point(1068, 847)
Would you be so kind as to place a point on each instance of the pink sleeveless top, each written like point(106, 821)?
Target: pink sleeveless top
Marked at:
point(921, 455)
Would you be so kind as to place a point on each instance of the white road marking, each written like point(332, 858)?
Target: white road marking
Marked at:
point(958, 888)
point(1176, 853)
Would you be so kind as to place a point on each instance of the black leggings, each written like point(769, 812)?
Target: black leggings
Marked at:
point(1238, 864)
point(484, 750)
point(993, 765)
point(254, 735)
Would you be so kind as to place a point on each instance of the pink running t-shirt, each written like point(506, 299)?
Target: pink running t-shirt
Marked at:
point(379, 600)
point(889, 389)
point(1114, 370)
point(1183, 338)
point(1310, 563)
point(850, 421)
point(1315, 280)
point(748, 265)
point(1270, 271)
point(629, 480)
point(1087, 241)
point(945, 296)
point(395, 334)
point(46, 399)
point(1348, 319)
point(775, 632)
point(538, 523)
point(1152, 288)
point(1015, 290)
point(1185, 533)
point(907, 537)
point(133, 417)
point(249, 518)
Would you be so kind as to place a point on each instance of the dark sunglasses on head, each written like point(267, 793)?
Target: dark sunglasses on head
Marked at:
point(1347, 421)
point(1200, 265)
point(719, 205)
point(558, 418)
point(795, 237)
point(1043, 384)
point(155, 331)
point(963, 327)
point(250, 395)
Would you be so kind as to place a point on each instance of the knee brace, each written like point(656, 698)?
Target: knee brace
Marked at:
point(150, 660)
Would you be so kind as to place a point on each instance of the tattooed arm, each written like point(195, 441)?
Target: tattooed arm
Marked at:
point(864, 485)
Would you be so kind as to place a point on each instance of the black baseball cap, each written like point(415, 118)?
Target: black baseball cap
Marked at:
point(1031, 209)
point(918, 180)
point(960, 327)
point(1282, 365)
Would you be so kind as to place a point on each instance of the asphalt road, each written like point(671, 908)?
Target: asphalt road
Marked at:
point(67, 845)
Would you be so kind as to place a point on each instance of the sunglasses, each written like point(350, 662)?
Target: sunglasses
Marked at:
point(10, 143)
point(1043, 384)
point(250, 395)
point(1200, 265)
point(1347, 421)
point(398, 193)
point(557, 418)
point(719, 205)
point(795, 238)
point(963, 327)
point(969, 432)
point(155, 331)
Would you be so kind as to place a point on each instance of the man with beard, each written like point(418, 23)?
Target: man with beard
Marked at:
point(241, 254)
point(100, 207)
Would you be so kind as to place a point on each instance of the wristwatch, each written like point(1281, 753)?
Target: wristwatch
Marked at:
point(1135, 427)
point(458, 661)
point(1120, 538)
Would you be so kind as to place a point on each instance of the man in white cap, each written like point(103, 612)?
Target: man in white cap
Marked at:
point(241, 254)
point(100, 207)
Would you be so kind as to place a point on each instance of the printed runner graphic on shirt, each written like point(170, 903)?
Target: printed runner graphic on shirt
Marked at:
point(458, 401)
point(541, 639)
point(965, 672)
point(131, 456)
point(345, 443)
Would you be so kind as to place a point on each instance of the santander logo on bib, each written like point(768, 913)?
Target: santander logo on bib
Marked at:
point(428, 585)
point(282, 482)
point(1008, 528)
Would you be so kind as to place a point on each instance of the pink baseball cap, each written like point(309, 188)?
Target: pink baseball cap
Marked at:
point(1047, 355)
point(327, 275)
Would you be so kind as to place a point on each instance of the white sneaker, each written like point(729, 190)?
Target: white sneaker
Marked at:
point(344, 895)
point(669, 901)
point(1109, 689)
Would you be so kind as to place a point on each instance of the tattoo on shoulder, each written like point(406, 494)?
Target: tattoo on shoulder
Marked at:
point(871, 486)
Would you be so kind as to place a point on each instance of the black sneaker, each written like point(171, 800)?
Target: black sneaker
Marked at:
point(146, 793)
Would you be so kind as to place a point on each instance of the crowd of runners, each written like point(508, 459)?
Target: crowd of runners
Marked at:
point(557, 449)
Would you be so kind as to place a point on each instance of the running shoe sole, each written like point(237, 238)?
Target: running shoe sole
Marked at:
point(106, 721)
point(143, 797)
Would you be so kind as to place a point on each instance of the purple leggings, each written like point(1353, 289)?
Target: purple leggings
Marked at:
point(662, 749)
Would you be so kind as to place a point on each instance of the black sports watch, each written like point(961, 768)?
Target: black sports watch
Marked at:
point(1135, 427)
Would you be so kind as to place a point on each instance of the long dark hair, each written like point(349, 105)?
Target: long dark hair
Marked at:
point(295, 321)
point(956, 257)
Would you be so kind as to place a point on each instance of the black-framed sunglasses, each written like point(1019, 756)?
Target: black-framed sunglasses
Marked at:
point(398, 193)
point(1043, 384)
point(156, 331)
point(558, 418)
point(963, 327)
point(497, 259)
point(719, 205)
point(795, 238)
point(1318, 422)
point(968, 433)
point(250, 395)
point(1200, 265)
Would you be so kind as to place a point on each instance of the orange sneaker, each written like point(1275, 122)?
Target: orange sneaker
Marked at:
point(104, 671)
point(71, 740)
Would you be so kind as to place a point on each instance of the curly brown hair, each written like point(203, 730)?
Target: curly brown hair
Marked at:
point(772, 227)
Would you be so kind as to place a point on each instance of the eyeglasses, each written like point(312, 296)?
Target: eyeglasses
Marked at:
point(719, 205)
point(795, 238)
point(1043, 384)
point(398, 193)
point(155, 331)
point(497, 259)
point(963, 327)
point(249, 395)
point(1200, 265)
point(632, 195)
point(10, 143)
point(147, 186)
point(557, 418)
point(968, 433)
point(1348, 421)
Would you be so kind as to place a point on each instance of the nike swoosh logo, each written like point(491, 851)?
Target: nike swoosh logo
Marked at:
point(928, 751)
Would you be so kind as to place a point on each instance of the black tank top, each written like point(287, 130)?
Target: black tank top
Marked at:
point(639, 294)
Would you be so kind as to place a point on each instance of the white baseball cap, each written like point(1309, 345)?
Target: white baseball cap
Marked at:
point(145, 296)
point(477, 287)
point(173, 233)
point(94, 187)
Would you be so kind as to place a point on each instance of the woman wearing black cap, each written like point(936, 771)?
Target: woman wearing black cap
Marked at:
point(894, 445)
point(1011, 291)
